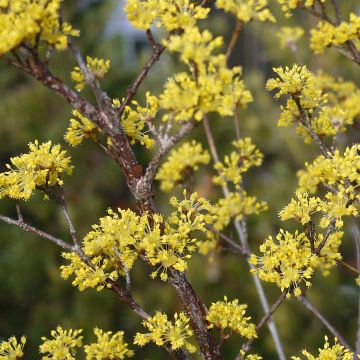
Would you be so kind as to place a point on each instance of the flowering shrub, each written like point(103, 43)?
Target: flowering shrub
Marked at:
point(319, 107)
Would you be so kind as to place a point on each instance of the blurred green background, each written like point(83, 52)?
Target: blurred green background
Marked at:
point(34, 299)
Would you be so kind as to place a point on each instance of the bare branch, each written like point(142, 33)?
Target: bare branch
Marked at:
point(28, 228)
point(239, 249)
point(247, 346)
point(315, 311)
point(235, 35)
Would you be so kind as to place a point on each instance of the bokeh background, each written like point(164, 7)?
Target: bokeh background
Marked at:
point(33, 297)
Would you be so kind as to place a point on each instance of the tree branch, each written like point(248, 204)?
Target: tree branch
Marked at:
point(315, 311)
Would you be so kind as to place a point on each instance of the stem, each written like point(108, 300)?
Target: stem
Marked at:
point(235, 35)
point(315, 311)
point(28, 228)
point(266, 318)
point(242, 234)
point(197, 314)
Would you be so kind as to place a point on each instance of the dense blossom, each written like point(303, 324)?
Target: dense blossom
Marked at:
point(171, 15)
point(43, 166)
point(163, 331)
point(62, 345)
point(114, 245)
point(326, 35)
point(28, 21)
point(247, 10)
point(337, 351)
point(12, 349)
point(341, 172)
point(286, 261)
point(230, 315)
point(180, 163)
point(108, 346)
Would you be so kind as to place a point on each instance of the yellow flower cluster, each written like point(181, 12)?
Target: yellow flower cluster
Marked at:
point(236, 205)
point(62, 345)
point(108, 346)
point(93, 275)
point(28, 21)
point(12, 349)
point(97, 67)
point(238, 162)
point(341, 94)
point(337, 351)
point(247, 10)
point(288, 36)
point(327, 107)
point(250, 356)
point(287, 262)
point(326, 35)
point(135, 117)
point(209, 86)
point(114, 245)
point(79, 129)
point(231, 315)
point(171, 15)
point(289, 5)
point(301, 209)
point(333, 207)
point(186, 158)
point(162, 332)
point(335, 172)
point(43, 165)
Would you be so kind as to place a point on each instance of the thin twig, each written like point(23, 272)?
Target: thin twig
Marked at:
point(235, 35)
point(247, 346)
point(72, 230)
point(315, 311)
point(337, 12)
point(158, 50)
point(239, 249)
point(28, 228)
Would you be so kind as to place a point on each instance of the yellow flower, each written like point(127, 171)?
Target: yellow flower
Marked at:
point(12, 349)
point(171, 15)
point(286, 262)
point(326, 35)
point(62, 345)
point(301, 209)
point(135, 117)
point(86, 276)
point(43, 165)
point(187, 158)
point(231, 315)
point(289, 5)
point(79, 129)
point(97, 67)
point(108, 346)
point(238, 162)
point(162, 331)
point(32, 21)
point(236, 205)
point(247, 10)
point(336, 351)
